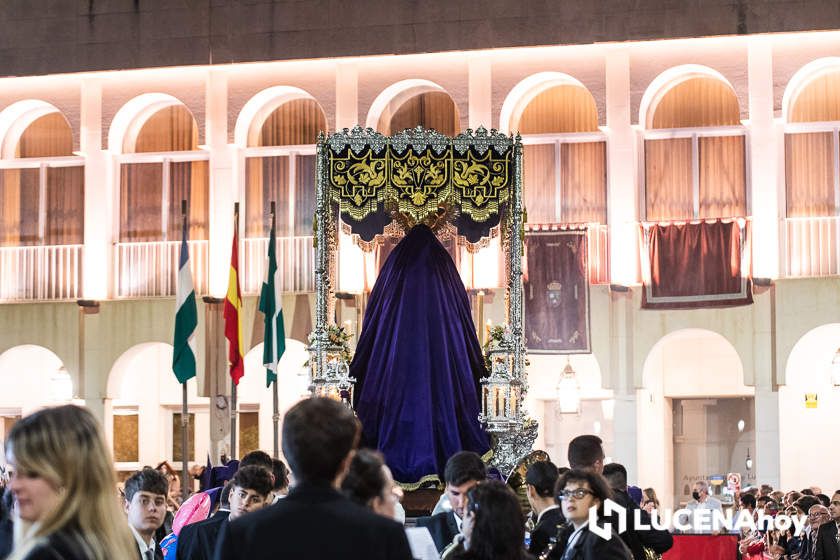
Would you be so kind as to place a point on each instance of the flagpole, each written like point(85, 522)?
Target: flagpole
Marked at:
point(276, 416)
point(233, 410)
point(184, 414)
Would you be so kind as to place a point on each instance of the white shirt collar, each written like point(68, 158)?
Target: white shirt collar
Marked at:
point(549, 508)
point(142, 546)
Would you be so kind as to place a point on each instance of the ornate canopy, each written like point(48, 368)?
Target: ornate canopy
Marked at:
point(471, 184)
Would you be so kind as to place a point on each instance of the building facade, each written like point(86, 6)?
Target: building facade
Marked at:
point(95, 162)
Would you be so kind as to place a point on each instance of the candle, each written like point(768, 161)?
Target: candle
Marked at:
point(480, 305)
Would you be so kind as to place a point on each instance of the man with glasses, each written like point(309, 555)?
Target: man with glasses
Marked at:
point(828, 537)
point(817, 515)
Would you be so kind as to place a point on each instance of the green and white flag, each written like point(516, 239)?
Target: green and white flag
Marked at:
point(274, 343)
point(186, 318)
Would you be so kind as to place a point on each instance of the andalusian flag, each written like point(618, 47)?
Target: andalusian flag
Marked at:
point(186, 317)
point(233, 314)
point(274, 343)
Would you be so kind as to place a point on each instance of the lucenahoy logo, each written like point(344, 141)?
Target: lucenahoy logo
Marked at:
point(691, 520)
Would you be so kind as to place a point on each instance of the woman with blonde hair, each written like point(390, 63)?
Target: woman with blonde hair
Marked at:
point(65, 488)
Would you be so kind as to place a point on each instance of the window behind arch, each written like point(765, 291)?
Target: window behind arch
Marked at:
point(564, 174)
point(287, 178)
point(280, 168)
point(811, 149)
point(42, 198)
point(151, 192)
point(431, 109)
point(695, 164)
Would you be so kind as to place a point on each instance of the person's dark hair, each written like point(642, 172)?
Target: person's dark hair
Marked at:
point(761, 501)
point(499, 527)
point(806, 492)
point(747, 501)
point(824, 499)
point(600, 488)
point(224, 497)
point(146, 480)
point(281, 474)
point(806, 502)
point(253, 478)
point(563, 470)
point(585, 451)
point(318, 434)
point(258, 458)
point(616, 476)
point(365, 480)
point(765, 489)
point(542, 475)
point(463, 467)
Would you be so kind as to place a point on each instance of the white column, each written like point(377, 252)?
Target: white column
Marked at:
point(480, 92)
point(224, 189)
point(767, 455)
point(763, 138)
point(621, 171)
point(346, 95)
point(100, 195)
point(625, 434)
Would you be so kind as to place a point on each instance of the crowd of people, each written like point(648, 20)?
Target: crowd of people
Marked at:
point(343, 502)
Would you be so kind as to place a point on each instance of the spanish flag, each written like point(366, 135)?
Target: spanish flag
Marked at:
point(233, 312)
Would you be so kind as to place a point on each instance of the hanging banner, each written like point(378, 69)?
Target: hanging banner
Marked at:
point(692, 265)
point(557, 292)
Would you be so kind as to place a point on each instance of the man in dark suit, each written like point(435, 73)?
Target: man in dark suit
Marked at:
point(828, 538)
point(315, 521)
point(463, 470)
point(204, 534)
point(250, 491)
point(658, 540)
point(145, 506)
point(546, 513)
point(817, 515)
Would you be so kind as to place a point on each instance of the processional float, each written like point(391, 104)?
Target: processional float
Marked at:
point(378, 186)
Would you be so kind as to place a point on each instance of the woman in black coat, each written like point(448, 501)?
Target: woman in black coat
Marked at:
point(579, 492)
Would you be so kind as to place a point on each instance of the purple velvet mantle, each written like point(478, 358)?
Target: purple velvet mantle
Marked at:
point(418, 362)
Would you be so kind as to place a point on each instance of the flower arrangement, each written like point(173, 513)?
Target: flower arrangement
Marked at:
point(338, 338)
point(498, 337)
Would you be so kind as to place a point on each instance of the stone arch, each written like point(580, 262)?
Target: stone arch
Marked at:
point(803, 78)
point(667, 80)
point(396, 94)
point(260, 106)
point(806, 443)
point(527, 90)
point(17, 117)
point(129, 120)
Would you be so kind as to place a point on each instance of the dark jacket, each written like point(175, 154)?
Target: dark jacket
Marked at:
point(58, 547)
point(827, 546)
point(197, 541)
point(442, 527)
point(590, 546)
point(545, 530)
point(313, 522)
point(658, 540)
